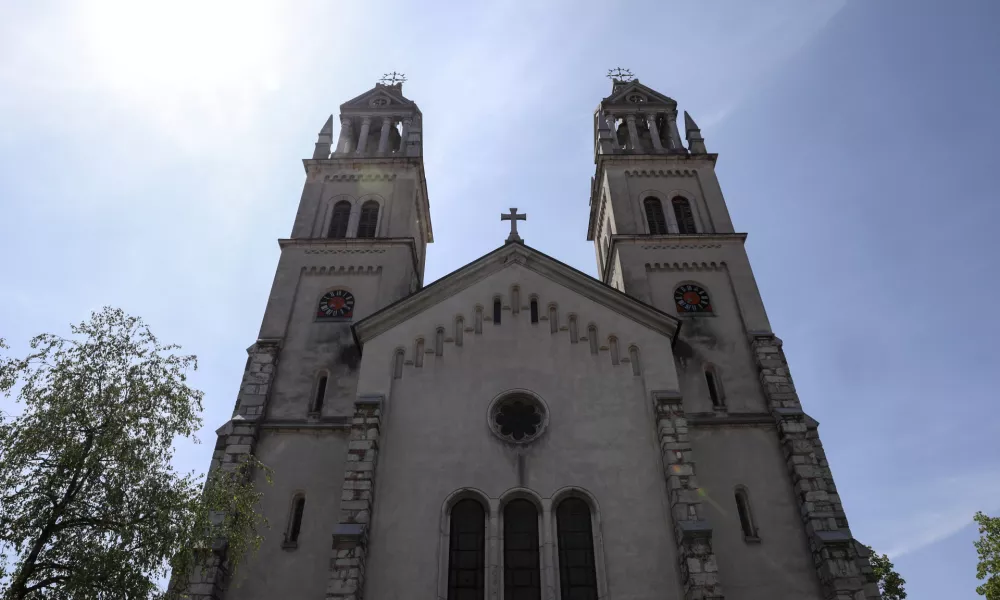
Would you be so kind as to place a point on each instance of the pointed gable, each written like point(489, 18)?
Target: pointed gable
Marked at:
point(380, 96)
point(624, 92)
point(531, 259)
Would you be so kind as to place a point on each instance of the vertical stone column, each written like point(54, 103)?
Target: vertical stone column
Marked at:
point(237, 440)
point(366, 125)
point(633, 133)
point(404, 135)
point(350, 538)
point(839, 565)
point(675, 134)
point(344, 142)
point(692, 533)
point(383, 138)
point(654, 132)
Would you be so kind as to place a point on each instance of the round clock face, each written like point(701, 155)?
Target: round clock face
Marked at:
point(337, 304)
point(691, 298)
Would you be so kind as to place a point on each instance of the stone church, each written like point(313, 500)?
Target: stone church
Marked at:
point(519, 429)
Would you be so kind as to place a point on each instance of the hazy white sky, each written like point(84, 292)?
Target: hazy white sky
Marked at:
point(149, 159)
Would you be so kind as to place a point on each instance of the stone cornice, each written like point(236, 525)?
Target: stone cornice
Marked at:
point(510, 254)
point(351, 246)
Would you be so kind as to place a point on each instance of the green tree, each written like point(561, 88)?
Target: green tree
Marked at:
point(90, 506)
point(890, 583)
point(988, 548)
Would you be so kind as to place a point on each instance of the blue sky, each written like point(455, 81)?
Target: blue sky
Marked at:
point(150, 157)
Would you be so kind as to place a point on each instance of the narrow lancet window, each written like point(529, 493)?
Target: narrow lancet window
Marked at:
point(534, 310)
point(418, 353)
point(613, 347)
point(654, 215)
point(521, 570)
point(439, 342)
point(368, 220)
point(295, 520)
point(339, 220)
point(575, 536)
point(592, 338)
point(459, 330)
point(320, 395)
point(467, 551)
point(633, 357)
point(714, 391)
point(684, 216)
point(397, 364)
point(574, 336)
point(479, 320)
point(515, 300)
point(553, 318)
point(746, 515)
point(497, 309)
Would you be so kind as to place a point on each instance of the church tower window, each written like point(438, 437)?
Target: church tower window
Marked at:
point(521, 572)
point(534, 310)
point(467, 551)
point(295, 521)
point(714, 390)
point(497, 309)
point(339, 220)
point(654, 215)
point(684, 216)
point(368, 220)
point(317, 405)
point(746, 515)
point(577, 571)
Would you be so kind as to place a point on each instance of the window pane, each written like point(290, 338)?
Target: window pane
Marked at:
point(684, 216)
point(341, 215)
point(521, 576)
point(577, 575)
point(466, 558)
point(368, 220)
point(654, 216)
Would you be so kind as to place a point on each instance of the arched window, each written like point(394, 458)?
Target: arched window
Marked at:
point(574, 336)
point(553, 318)
point(683, 214)
point(575, 536)
point(439, 342)
point(295, 521)
point(338, 222)
point(521, 572)
point(746, 515)
point(479, 320)
point(397, 364)
point(613, 346)
point(497, 308)
point(714, 389)
point(459, 330)
point(592, 338)
point(534, 310)
point(515, 300)
point(654, 215)
point(633, 357)
point(418, 353)
point(368, 220)
point(467, 551)
point(317, 405)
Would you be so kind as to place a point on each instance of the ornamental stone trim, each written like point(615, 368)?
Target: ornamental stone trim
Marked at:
point(679, 246)
point(686, 266)
point(360, 177)
point(350, 537)
point(844, 573)
point(344, 251)
point(692, 533)
point(342, 270)
point(661, 173)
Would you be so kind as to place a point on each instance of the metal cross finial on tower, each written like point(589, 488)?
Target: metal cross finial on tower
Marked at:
point(513, 217)
point(620, 74)
point(392, 78)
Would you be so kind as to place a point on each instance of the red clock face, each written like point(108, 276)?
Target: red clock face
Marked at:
point(336, 304)
point(691, 298)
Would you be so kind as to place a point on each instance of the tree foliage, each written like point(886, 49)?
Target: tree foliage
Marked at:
point(90, 505)
point(890, 583)
point(988, 548)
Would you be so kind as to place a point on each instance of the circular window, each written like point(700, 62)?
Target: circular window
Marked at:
point(636, 98)
point(518, 417)
point(379, 102)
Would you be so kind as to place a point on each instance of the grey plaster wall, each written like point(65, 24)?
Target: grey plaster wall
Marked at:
point(600, 437)
point(307, 462)
point(780, 567)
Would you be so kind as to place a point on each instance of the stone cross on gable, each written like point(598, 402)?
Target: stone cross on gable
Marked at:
point(513, 217)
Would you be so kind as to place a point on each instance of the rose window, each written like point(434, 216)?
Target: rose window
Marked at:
point(518, 418)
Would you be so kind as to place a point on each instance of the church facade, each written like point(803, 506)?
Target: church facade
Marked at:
point(519, 429)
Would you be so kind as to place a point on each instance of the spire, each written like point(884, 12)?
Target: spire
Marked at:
point(324, 141)
point(696, 143)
